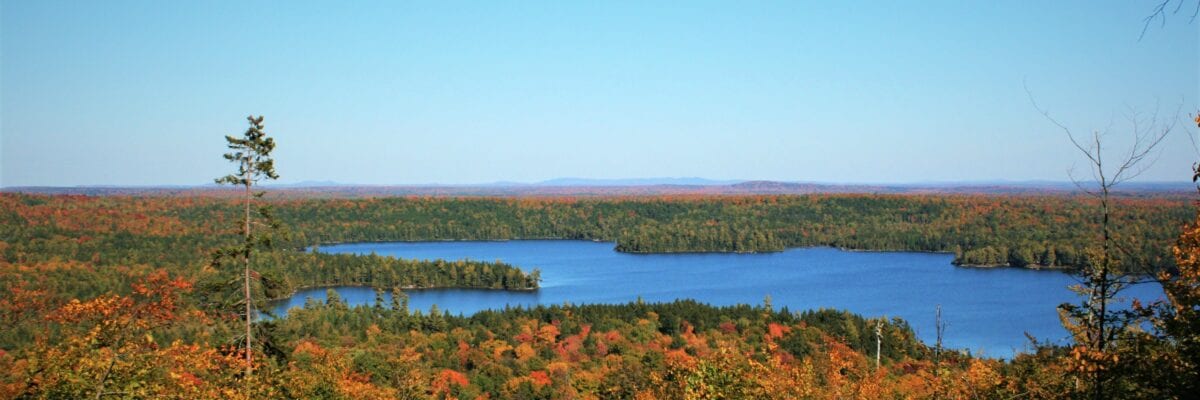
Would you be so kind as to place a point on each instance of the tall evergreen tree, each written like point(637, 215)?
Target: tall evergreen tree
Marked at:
point(252, 154)
point(399, 301)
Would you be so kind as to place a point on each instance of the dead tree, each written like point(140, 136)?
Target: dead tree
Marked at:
point(1096, 326)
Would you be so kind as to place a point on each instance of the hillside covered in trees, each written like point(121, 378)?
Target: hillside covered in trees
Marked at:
point(1021, 231)
point(113, 297)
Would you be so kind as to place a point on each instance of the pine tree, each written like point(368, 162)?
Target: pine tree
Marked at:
point(399, 301)
point(252, 154)
point(378, 299)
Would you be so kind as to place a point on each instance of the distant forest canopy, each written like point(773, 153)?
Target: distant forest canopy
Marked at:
point(561, 188)
point(1022, 231)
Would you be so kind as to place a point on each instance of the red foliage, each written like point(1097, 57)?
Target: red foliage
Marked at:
point(776, 331)
point(539, 378)
point(446, 380)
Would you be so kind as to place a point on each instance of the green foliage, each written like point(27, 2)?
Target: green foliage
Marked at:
point(56, 248)
point(302, 270)
point(252, 153)
point(1018, 231)
point(85, 246)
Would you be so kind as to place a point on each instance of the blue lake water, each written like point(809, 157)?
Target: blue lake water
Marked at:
point(986, 310)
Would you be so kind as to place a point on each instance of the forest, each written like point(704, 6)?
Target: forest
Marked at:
point(150, 344)
point(1038, 150)
point(120, 297)
point(1021, 231)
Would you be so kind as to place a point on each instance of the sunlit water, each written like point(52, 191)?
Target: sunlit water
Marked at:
point(986, 310)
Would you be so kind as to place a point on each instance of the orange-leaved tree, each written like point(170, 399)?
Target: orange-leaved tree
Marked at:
point(1177, 318)
point(111, 346)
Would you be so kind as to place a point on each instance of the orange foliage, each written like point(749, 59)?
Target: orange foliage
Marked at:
point(539, 378)
point(446, 381)
point(776, 331)
point(525, 351)
point(548, 334)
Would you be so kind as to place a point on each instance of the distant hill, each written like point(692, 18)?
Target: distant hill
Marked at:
point(691, 181)
point(309, 184)
point(775, 187)
point(577, 187)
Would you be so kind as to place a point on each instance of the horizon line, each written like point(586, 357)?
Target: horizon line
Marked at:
point(613, 183)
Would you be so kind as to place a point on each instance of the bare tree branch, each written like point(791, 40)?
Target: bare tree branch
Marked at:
point(1156, 14)
point(1096, 325)
point(1159, 12)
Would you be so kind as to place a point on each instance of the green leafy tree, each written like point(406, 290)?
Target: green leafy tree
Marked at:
point(252, 155)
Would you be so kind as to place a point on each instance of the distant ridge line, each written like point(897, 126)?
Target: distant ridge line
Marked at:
point(568, 187)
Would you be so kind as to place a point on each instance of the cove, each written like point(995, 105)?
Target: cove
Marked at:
point(986, 310)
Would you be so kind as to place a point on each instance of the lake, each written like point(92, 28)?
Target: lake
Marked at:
point(985, 310)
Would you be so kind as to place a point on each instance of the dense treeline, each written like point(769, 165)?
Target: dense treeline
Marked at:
point(287, 272)
point(331, 320)
point(1024, 231)
point(1036, 255)
point(652, 238)
point(82, 247)
point(298, 270)
point(589, 351)
point(979, 230)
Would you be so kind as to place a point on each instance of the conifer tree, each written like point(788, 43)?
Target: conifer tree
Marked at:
point(252, 154)
point(399, 301)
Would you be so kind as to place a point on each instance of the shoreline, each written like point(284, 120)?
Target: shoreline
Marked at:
point(1032, 267)
point(299, 289)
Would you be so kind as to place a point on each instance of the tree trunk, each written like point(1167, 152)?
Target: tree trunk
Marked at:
point(878, 342)
point(104, 379)
point(246, 259)
point(1102, 276)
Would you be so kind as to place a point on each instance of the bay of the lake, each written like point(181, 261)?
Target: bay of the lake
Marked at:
point(986, 310)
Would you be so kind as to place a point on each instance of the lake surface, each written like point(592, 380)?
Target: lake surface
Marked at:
point(985, 310)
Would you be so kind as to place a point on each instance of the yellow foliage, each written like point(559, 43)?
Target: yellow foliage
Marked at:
point(524, 351)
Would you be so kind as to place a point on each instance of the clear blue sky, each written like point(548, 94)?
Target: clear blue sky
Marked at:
point(141, 93)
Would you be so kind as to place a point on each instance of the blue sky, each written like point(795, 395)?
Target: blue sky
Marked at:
point(141, 93)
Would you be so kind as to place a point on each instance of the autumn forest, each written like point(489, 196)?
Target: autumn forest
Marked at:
point(125, 296)
point(697, 200)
